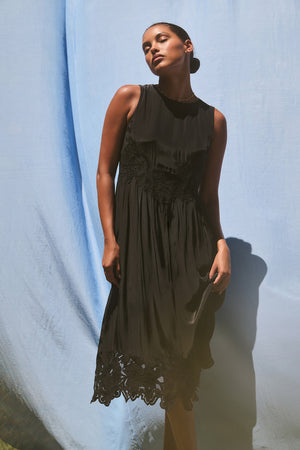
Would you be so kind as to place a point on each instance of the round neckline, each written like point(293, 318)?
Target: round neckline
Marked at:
point(173, 100)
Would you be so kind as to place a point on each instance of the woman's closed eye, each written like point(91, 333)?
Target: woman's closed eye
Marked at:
point(147, 48)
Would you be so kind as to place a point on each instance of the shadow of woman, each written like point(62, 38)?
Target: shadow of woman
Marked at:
point(226, 414)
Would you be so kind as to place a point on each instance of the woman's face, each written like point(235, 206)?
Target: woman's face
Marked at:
point(160, 40)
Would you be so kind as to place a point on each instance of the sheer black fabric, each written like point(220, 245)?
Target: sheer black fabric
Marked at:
point(157, 326)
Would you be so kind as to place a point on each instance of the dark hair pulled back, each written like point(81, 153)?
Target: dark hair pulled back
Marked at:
point(183, 35)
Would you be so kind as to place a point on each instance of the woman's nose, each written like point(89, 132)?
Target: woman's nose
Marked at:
point(154, 49)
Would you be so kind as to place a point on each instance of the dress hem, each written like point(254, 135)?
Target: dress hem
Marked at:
point(166, 380)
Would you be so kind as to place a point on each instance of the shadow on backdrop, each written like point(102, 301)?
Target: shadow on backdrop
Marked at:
point(226, 414)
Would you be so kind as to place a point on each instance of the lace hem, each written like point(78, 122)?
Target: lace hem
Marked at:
point(129, 375)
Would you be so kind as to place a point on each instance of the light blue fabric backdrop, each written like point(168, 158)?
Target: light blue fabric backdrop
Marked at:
point(61, 63)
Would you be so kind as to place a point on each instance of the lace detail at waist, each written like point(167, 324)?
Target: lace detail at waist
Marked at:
point(165, 182)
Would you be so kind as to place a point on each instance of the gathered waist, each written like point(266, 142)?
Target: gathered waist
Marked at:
point(164, 186)
point(167, 180)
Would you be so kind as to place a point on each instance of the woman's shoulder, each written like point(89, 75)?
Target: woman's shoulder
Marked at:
point(219, 126)
point(219, 118)
point(126, 98)
point(128, 91)
point(129, 95)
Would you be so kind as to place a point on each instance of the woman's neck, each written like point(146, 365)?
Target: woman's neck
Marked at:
point(176, 88)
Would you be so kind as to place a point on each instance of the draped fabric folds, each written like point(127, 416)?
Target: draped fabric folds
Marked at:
point(61, 63)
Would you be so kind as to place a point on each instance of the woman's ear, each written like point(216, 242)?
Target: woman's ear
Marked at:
point(188, 46)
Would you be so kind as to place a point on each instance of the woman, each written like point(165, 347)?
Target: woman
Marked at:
point(164, 249)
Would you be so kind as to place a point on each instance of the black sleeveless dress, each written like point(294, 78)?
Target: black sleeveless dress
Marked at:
point(157, 325)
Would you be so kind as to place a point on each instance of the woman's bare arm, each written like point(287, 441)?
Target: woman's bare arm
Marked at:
point(117, 115)
point(211, 176)
point(114, 128)
point(209, 195)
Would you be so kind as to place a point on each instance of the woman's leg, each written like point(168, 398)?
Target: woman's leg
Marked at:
point(183, 426)
point(169, 440)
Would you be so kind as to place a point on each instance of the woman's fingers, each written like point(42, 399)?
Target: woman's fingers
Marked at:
point(111, 262)
point(221, 282)
point(110, 275)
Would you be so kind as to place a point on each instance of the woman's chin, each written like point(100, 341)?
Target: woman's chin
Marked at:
point(159, 70)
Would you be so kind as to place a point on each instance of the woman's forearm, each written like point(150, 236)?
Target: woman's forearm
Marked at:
point(213, 215)
point(106, 204)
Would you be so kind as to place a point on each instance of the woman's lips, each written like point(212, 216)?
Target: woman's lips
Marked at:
point(156, 59)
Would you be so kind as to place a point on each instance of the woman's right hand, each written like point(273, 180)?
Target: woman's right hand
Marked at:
point(111, 262)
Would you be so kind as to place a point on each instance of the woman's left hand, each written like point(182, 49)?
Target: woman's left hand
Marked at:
point(222, 265)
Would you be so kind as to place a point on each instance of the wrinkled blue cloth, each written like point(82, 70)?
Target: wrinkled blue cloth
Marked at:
point(61, 63)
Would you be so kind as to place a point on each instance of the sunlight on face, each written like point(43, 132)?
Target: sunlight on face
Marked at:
point(160, 40)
